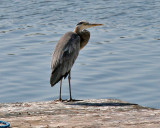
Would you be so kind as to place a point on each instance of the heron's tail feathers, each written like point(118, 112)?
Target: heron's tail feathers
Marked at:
point(55, 77)
point(57, 74)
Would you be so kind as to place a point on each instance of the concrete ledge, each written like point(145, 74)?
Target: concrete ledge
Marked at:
point(87, 113)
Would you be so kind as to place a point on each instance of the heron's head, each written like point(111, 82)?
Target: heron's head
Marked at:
point(84, 25)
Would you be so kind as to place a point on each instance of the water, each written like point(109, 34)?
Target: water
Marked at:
point(121, 60)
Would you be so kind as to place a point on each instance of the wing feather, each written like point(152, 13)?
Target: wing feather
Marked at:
point(64, 56)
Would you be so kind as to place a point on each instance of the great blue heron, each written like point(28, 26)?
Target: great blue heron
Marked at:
point(66, 52)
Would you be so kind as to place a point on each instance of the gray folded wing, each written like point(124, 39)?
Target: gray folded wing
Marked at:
point(64, 56)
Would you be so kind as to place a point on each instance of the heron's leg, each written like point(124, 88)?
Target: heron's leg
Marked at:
point(60, 99)
point(69, 78)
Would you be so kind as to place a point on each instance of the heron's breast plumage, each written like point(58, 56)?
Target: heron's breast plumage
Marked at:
point(84, 36)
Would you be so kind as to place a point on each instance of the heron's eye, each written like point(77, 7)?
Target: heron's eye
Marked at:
point(83, 22)
point(80, 23)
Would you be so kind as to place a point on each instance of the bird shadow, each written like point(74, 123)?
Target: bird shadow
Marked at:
point(81, 103)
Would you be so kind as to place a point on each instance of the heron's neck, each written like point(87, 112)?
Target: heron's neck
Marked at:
point(77, 30)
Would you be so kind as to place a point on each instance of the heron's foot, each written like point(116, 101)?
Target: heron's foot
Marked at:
point(70, 100)
point(59, 100)
point(73, 100)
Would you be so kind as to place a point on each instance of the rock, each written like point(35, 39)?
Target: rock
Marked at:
point(95, 113)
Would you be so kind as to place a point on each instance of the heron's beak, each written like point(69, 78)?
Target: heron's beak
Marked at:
point(85, 26)
point(93, 25)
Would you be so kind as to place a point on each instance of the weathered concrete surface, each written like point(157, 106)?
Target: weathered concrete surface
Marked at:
point(105, 113)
